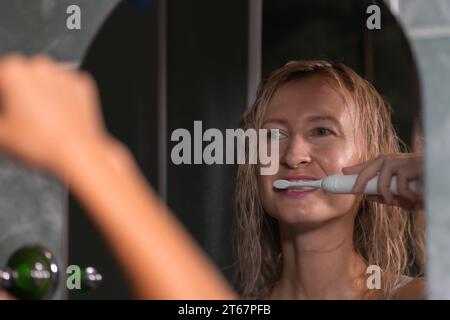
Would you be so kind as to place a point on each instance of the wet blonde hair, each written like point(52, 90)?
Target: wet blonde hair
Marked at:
point(387, 236)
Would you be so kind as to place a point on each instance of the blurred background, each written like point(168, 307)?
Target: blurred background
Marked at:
point(162, 64)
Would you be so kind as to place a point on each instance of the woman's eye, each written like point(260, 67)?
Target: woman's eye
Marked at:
point(275, 134)
point(322, 132)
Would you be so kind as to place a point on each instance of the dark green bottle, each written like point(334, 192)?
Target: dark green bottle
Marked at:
point(30, 273)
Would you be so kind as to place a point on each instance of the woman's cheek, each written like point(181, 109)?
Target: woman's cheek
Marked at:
point(337, 158)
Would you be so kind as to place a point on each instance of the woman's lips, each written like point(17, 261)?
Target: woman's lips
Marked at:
point(299, 177)
point(297, 192)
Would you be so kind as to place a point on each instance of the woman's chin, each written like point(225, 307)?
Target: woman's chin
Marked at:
point(304, 215)
point(301, 216)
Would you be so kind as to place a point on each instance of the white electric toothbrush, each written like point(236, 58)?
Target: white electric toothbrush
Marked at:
point(342, 184)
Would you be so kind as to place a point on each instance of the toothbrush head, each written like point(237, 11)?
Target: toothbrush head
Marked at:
point(281, 184)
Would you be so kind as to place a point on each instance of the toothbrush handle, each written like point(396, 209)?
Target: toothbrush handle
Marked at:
point(344, 184)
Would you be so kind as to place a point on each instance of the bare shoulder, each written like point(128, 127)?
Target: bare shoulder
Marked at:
point(413, 290)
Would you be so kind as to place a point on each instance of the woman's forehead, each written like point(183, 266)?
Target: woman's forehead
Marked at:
point(302, 98)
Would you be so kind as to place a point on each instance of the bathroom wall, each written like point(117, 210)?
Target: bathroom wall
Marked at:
point(427, 24)
point(33, 206)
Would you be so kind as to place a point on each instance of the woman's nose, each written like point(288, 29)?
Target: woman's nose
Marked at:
point(296, 153)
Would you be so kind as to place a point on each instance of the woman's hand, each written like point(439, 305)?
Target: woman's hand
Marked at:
point(46, 110)
point(406, 166)
point(50, 117)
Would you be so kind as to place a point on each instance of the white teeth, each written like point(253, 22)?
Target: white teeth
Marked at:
point(301, 188)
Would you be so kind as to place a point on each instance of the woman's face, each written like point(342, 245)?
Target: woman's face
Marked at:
point(316, 139)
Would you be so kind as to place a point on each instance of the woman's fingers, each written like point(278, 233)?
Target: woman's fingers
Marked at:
point(403, 187)
point(44, 105)
point(406, 168)
point(371, 170)
point(406, 171)
point(384, 180)
point(354, 169)
point(9, 69)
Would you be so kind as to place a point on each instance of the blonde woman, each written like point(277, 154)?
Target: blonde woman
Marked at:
point(318, 245)
point(308, 245)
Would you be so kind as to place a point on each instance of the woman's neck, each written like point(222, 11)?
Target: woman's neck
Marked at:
point(320, 262)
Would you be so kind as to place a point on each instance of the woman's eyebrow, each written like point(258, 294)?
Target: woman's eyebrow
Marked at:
point(324, 118)
point(274, 120)
point(313, 118)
